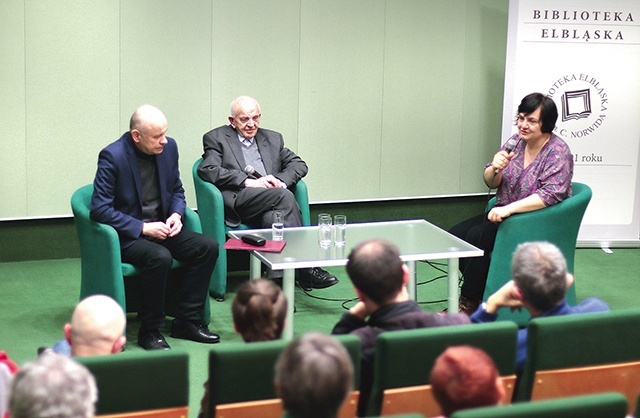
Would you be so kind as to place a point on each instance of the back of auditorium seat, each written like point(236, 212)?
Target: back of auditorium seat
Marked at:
point(149, 383)
point(609, 405)
point(583, 354)
point(241, 379)
point(404, 359)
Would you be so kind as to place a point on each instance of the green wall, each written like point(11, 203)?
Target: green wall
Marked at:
point(382, 98)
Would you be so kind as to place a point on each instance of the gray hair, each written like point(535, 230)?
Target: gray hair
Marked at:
point(53, 386)
point(540, 271)
point(313, 376)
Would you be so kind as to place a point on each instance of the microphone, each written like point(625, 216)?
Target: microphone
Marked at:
point(251, 172)
point(509, 147)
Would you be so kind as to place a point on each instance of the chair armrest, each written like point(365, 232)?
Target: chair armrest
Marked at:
point(301, 193)
point(191, 221)
point(210, 206)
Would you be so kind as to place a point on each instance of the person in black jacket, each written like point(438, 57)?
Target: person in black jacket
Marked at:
point(380, 281)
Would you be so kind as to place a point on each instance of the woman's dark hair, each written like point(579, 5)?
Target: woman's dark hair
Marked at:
point(259, 310)
point(548, 110)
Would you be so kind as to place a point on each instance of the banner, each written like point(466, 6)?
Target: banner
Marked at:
point(585, 54)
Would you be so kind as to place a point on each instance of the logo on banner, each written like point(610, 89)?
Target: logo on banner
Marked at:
point(583, 105)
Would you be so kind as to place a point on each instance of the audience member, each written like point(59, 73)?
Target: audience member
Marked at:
point(259, 311)
point(7, 369)
point(96, 328)
point(380, 278)
point(256, 174)
point(138, 191)
point(539, 284)
point(313, 376)
point(465, 377)
point(53, 386)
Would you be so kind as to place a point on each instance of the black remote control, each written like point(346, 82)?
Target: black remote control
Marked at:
point(256, 240)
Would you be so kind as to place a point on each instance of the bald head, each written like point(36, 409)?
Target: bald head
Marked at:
point(146, 116)
point(243, 104)
point(148, 127)
point(375, 268)
point(97, 327)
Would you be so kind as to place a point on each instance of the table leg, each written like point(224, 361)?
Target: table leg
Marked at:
point(288, 287)
point(412, 286)
point(452, 284)
point(254, 267)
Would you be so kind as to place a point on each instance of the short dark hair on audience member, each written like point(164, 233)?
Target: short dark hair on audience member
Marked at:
point(548, 110)
point(259, 310)
point(375, 268)
point(540, 271)
point(465, 377)
point(53, 385)
point(313, 376)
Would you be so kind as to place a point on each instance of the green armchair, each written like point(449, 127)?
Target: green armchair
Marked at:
point(211, 212)
point(558, 224)
point(102, 269)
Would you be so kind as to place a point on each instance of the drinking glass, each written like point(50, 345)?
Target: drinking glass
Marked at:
point(324, 230)
point(277, 227)
point(340, 228)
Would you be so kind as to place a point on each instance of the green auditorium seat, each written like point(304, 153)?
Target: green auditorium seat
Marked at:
point(558, 224)
point(404, 359)
point(141, 384)
point(583, 354)
point(211, 212)
point(605, 405)
point(102, 269)
point(241, 379)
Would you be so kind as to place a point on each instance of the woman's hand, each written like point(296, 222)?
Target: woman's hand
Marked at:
point(498, 213)
point(501, 160)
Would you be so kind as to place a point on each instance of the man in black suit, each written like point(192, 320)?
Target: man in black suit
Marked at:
point(138, 191)
point(255, 173)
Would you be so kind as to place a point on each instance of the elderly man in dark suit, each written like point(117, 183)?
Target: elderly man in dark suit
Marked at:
point(138, 191)
point(255, 173)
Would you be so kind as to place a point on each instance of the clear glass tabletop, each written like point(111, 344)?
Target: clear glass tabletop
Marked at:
point(416, 239)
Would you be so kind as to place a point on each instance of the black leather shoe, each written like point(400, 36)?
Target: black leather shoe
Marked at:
point(315, 278)
point(152, 340)
point(194, 332)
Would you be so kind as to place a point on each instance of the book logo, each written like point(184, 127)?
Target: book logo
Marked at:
point(576, 104)
point(583, 102)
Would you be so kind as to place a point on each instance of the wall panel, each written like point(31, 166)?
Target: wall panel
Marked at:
point(71, 96)
point(13, 161)
point(424, 95)
point(484, 68)
point(341, 79)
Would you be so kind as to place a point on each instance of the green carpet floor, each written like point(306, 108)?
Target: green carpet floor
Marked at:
point(38, 298)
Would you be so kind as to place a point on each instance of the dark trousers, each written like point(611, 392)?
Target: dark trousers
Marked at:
point(197, 252)
point(480, 232)
point(255, 205)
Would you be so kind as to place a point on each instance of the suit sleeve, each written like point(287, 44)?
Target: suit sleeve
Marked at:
point(177, 201)
point(214, 168)
point(291, 167)
point(103, 201)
